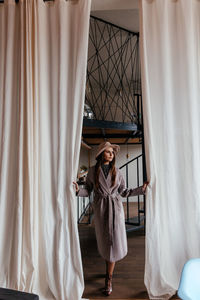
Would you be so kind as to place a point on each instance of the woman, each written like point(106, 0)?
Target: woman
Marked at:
point(108, 185)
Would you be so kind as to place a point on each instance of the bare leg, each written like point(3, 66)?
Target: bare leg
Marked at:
point(108, 280)
point(110, 267)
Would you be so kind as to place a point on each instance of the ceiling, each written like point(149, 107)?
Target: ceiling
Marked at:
point(124, 13)
point(128, 19)
point(114, 4)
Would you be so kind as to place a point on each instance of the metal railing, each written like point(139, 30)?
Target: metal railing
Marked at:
point(135, 222)
point(84, 211)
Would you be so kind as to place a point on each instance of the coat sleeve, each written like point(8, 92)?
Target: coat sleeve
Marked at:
point(88, 187)
point(124, 192)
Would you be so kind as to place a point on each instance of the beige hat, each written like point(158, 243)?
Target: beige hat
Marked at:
point(105, 145)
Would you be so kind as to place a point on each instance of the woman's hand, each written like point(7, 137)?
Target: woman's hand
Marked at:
point(76, 186)
point(145, 184)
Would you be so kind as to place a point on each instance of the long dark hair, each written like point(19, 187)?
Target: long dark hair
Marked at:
point(100, 161)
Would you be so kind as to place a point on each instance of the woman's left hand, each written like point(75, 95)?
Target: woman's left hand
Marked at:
point(145, 184)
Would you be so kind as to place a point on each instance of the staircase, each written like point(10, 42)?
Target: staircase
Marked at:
point(135, 211)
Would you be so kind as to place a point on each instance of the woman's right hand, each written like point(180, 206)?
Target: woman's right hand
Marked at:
point(76, 186)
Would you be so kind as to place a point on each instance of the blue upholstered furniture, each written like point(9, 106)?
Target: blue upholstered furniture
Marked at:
point(189, 287)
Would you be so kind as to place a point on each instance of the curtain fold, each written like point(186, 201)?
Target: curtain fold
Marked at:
point(43, 62)
point(170, 52)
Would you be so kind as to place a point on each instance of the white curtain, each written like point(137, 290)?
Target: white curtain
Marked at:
point(170, 48)
point(43, 57)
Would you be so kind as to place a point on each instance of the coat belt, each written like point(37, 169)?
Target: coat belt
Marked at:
point(111, 213)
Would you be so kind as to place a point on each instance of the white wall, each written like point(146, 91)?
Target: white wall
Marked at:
point(114, 107)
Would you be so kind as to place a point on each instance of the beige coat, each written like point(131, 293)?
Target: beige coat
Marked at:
point(109, 213)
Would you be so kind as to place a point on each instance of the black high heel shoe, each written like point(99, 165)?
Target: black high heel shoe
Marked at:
point(108, 285)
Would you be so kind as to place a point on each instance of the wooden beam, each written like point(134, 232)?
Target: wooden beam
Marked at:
point(109, 124)
point(85, 145)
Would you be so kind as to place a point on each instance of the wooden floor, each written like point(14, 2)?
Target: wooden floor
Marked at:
point(129, 272)
point(128, 279)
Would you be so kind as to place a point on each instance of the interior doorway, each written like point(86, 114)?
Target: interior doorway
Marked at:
point(113, 112)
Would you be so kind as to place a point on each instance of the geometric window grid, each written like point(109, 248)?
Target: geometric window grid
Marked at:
point(113, 73)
